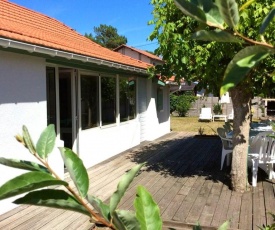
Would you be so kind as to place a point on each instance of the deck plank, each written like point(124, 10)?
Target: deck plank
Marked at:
point(182, 174)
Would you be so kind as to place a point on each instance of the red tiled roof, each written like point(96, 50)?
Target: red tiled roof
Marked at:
point(21, 24)
point(152, 56)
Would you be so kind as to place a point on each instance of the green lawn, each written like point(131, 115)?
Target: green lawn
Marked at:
point(191, 124)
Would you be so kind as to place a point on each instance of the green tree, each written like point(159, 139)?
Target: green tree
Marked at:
point(107, 36)
point(224, 33)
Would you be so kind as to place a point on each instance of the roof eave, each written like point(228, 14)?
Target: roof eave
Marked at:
point(32, 48)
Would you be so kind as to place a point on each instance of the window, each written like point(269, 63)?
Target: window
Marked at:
point(127, 98)
point(108, 100)
point(160, 98)
point(51, 95)
point(89, 102)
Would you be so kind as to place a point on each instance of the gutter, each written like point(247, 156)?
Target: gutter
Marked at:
point(8, 43)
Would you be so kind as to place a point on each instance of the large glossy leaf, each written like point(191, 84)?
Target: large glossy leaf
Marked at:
point(147, 211)
point(76, 169)
point(46, 142)
point(191, 10)
point(28, 140)
point(103, 209)
point(129, 220)
point(241, 64)
point(267, 20)
point(229, 12)
point(117, 222)
point(212, 13)
point(122, 187)
point(217, 35)
point(28, 182)
point(54, 199)
point(21, 164)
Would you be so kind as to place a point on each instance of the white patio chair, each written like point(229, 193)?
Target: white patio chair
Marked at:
point(226, 146)
point(205, 114)
point(230, 117)
point(262, 153)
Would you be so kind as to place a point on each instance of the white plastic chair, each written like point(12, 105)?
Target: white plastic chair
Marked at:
point(230, 116)
point(226, 146)
point(262, 151)
point(206, 114)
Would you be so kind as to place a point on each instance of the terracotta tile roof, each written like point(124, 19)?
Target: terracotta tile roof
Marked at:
point(152, 56)
point(22, 24)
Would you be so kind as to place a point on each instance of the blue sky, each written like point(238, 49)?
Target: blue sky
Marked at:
point(130, 17)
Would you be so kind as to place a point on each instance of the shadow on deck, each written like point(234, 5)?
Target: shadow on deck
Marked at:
point(182, 174)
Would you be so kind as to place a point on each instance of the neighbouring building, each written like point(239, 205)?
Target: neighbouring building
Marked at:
point(100, 101)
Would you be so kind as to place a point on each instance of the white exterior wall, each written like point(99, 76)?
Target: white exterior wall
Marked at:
point(153, 123)
point(22, 102)
point(99, 144)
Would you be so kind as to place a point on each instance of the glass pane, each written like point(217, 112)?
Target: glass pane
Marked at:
point(132, 98)
point(127, 98)
point(51, 95)
point(89, 102)
point(108, 100)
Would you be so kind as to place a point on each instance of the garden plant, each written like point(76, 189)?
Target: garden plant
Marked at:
point(36, 184)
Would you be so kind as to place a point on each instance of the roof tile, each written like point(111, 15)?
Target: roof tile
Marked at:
point(22, 24)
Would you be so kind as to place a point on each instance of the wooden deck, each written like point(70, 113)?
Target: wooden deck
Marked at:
point(184, 178)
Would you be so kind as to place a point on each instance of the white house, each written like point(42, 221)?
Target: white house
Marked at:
point(139, 55)
point(100, 101)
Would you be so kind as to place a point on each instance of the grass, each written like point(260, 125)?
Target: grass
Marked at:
point(191, 124)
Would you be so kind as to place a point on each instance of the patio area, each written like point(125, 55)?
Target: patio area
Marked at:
point(183, 177)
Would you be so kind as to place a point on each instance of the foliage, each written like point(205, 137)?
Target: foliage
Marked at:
point(217, 108)
point(173, 102)
point(188, 55)
point(181, 103)
point(107, 36)
point(201, 131)
point(146, 215)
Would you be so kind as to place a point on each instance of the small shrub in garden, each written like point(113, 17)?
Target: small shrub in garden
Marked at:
point(184, 103)
point(146, 215)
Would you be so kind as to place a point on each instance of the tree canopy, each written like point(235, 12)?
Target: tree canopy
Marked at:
point(107, 36)
point(198, 60)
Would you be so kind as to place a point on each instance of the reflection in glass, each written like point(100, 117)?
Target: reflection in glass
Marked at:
point(127, 106)
point(108, 100)
point(89, 102)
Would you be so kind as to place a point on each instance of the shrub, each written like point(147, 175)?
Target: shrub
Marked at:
point(184, 103)
point(217, 108)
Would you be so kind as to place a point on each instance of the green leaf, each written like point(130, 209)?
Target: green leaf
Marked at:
point(147, 211)
point(117, 222)
point(217, 35)
point(129, 220)
point(122, 187)
point(99, 206)
point(241, 64)
point(77, 171)
point(191, 10)
point(28, 182)
point(212, 13)
point(46, 142)
point(54, 199)
point(21, 164)
point(267, 20)
point(28, 141)
point(229, 12)
point(224, 226)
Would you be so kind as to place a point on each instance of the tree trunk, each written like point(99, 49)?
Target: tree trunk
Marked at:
point(241, 124)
